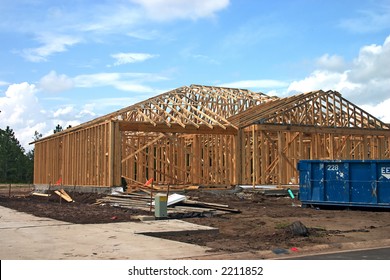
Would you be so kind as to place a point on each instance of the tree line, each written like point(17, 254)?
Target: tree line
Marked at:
point(16, 165)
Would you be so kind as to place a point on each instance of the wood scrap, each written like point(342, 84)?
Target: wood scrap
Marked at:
point(67, 195)
point(211, 205)
point(192, 188)
point(126, 200)
point(199, 209)
point(41, 194)
point(68, 199)
point(142, 201)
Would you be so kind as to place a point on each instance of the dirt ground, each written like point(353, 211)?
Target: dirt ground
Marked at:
point(263, 223)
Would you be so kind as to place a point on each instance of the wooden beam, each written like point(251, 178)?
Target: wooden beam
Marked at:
point(139, 111)
point(174, 128)
point(143, 147)
point(196, 110)
point(318, 130)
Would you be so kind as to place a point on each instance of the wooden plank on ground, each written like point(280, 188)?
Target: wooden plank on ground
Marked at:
point(63, 196)
point(41, 194)
point(66, 194)
point(211, 205)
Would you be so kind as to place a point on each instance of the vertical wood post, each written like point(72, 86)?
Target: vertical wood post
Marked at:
point(112, 154)
point(282, 165)
point(239, 166)
point(254, 156)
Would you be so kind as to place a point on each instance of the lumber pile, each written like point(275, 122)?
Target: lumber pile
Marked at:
point(133, 201)
point(177, 207)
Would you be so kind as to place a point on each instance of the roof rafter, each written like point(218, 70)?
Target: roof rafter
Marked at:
point(220, 110)
point(316, 108)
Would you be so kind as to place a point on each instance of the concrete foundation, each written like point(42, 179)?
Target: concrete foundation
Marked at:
point(81, 189)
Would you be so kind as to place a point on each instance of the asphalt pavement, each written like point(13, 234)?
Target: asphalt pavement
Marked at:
point(364, 254)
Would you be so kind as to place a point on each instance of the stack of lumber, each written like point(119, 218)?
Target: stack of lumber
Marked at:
point(184, 208)
point(133, 201)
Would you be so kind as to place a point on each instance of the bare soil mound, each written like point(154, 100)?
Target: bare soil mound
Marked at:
point(81, 211)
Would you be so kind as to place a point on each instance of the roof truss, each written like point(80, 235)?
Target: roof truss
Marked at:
point(198, 109)
point(318, 108)
point(193, 106)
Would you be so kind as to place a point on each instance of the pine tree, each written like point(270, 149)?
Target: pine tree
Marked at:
point(15, 165)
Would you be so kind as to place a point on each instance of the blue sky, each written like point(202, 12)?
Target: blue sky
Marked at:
point(67, 62)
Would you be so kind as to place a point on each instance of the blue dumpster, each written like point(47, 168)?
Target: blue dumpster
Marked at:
point(360, 183)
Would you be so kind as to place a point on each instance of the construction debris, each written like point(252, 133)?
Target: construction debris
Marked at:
point(134, 201)
point(41, 194)
point(174, 199)
point(180, 206)
point(214, 206)
point(61, 193)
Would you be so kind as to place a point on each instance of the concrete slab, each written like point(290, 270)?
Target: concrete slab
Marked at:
point(26, 237)
point(171, 227)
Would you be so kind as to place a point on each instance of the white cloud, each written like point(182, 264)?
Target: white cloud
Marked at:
point(128, 17)
point(16, 103)
point(372, 63)
point(331, 62)
point(19, 107)
point(125, 58)
point(54, 83)
point(2, 83)
point(51, 44)
point(144, 34)
point(22, 111)
point(86, 113)
point(121, 81)
point(205, 58)
point(380, 110)
point(190, 53)
point(366, 82)
point(325, 80)
point(368, 21)
point(117, 102)
point(256, 84)
point(63, 123)
point(63, 111)
point(135, 82)
point(57, 28)
point(165, 10)
point(111, 18)
point(252, 33)
point(96, 80)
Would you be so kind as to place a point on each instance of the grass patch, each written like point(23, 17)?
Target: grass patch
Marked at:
point(282, 225)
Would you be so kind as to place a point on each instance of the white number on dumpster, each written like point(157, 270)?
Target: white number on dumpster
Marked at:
point(385, 172)
point(333, 167)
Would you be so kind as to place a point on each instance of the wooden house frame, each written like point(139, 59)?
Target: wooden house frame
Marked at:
point(203, 135)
